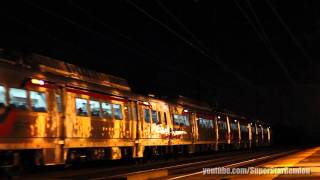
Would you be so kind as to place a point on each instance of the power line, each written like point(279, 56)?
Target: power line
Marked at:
point(153, 58)
point(292, 36)
point(203, 52)
point(176, 19)
point(264, 37)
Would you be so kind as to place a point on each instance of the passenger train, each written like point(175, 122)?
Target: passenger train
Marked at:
point(53, 112)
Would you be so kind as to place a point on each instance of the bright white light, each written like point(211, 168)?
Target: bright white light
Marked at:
point(186, 110)
point(37, 81)
point(235, 120)
point(219, 117)
point(146, 103)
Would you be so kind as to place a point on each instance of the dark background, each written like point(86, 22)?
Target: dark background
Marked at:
point(257, 57)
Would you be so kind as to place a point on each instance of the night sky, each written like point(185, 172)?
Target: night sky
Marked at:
point(255, 57)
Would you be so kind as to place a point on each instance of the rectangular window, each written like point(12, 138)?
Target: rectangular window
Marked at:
point(233, 126)
point(176, 119)
point(2, 96)
point(38, 101)
point(117, 111)
point(95, 108)
point(18, 98)
point(82, 107)
point(165, 118)
point(147, 115)
point(187, 120)
point(154, 117)
point(59, 102)
point(182, 120)
point(106, 110)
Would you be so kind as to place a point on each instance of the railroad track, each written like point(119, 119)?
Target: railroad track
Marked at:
point(171, 169)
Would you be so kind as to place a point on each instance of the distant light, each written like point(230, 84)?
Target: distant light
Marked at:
point(37, 81)
point(219, 117)
point(260, 125)
point(186, 110)
point(235, 120)
point(146, 103)
point(151, 95)
point(250, 123)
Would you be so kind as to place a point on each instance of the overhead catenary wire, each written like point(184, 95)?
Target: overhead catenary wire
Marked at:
point(145, 53)
point(214, 59)
point(292, 36)
point(264, 37)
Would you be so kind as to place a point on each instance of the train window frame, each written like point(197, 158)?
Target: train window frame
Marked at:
point(45, 101)
point(114, 113)
point(87, 107)
point(147, 119)
point(153, 112)
point(27, 105)
point(90, 107)
point(102, 110)
point(4, 103)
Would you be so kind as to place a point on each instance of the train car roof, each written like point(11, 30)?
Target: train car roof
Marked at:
point(60, 68)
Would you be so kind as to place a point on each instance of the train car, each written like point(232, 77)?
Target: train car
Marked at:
point(53, 112)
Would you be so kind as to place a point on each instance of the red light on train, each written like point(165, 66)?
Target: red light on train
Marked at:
point(37, 81)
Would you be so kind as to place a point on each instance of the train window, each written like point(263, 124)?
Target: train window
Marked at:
point(38, 101)
point(2, 96)
point(206, 123)
point(233, 126)
point(95, 108)
point(176, 119)
point(187, 120)
point(154, 117)
point(82, 107)
point(159, 116)
point(106, 110)
point(59, 102)
point(147, 115)
point(117, 111)
point(18, 98)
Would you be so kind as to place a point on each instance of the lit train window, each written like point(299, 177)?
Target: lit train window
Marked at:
point(18, 98)
point(233, 126)
point(154, 117)
point(59, 102)
point(176, 119)
point(186, 118)
point(205, 123)
point(2, 96)
point(106, 110)
point(95, 108)
point(182, 120)
point(38, 101)
point(82, 107)
point(117, 111)
point(147, 115)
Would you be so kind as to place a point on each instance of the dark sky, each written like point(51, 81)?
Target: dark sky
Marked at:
point(257, 57)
